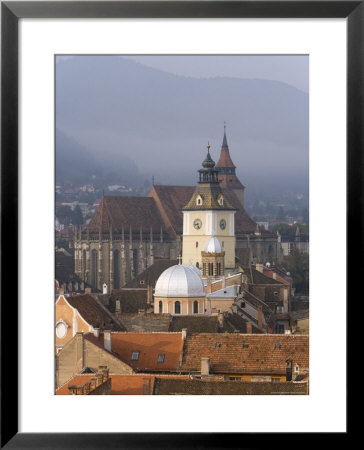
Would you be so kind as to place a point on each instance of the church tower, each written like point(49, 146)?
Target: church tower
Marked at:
point(208, 214)
point(226, 172)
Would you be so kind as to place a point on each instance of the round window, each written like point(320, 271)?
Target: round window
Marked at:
point(61, 330)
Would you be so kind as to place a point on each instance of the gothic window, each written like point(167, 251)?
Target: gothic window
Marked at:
point(116, 281)
point(160, 306)
point(84, 261)
point(177, 307)
point(94, 267)
point(195, 307)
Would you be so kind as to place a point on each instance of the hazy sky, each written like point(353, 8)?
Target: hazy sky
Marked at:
point(155, 114)
point(291, 69)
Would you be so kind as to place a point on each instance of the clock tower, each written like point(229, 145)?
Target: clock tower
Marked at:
point(208, 214)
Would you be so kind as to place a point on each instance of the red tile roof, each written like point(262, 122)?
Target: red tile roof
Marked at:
point(118, 212)
point(139, 384)
point(261, 356)
point(149, 346)
point(94, 313)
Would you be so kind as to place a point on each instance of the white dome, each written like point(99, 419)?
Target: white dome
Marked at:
point(213, 246)
point(179, 281)
point(195, 269)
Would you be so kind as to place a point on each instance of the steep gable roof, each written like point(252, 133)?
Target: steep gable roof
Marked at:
point(94, 313)
point(117, 212)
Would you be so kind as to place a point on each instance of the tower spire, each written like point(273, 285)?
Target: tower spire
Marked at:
point(224, 141)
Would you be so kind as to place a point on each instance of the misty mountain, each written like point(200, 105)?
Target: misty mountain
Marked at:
point(75, 163)
point(130, 113)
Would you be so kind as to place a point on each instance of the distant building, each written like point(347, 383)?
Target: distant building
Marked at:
point(127, 234)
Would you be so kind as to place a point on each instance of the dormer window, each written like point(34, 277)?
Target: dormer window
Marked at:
point(297, 369)
point(199, 200)
point(135, 356)
point(220, 200)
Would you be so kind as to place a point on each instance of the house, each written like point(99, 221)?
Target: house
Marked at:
point(81, 313)
point(121, 352)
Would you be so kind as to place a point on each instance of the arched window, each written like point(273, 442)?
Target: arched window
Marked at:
point(160, 305)
point(177, 307)
point(195, 307)
point(116, 270)
point(94, 267)
point(84, 262)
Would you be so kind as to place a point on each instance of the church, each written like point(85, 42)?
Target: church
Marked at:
point(127, 234)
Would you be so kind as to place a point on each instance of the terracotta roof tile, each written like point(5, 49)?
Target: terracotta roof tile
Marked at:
point(206, 387)
point(131, 300)
point(149, 346)
point(118, 212)
point(261, 356)
point(94, 313)
point(138, 384)
point(151, 274)
point(199, 324)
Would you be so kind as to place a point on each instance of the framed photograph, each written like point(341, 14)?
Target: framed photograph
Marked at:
point(48, 49)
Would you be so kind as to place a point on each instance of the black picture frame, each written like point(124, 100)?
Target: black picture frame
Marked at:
point(11, 12)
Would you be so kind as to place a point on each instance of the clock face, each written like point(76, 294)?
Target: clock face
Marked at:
point(197, 224)
point(223, 224)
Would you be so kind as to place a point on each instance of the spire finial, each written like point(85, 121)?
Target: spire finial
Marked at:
point(224, 141)
point(179, 259)
point(208, 146)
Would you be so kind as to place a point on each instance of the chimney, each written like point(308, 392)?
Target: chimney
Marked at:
point(93, 383)
point(220, 319)
point(97, 332)
point(274, 276)
point(260, 317)
point(259, 267)
point(223, 281)
point(107, 340)
point(117, 306)
point(61, 291)
point(149, 294)
point(184, 333)
point(289, 370)
point(249, 328)
point(205, 366)
point(87, 290)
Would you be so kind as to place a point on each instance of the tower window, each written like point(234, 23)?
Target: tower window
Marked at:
point(160, 306)
point(196, 244)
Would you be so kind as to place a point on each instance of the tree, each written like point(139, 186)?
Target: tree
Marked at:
point(77, 218)
point(298, 265)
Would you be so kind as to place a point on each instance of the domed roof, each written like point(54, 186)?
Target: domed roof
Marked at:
point(213, 246)
point(179, 281)
point(195, 269)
